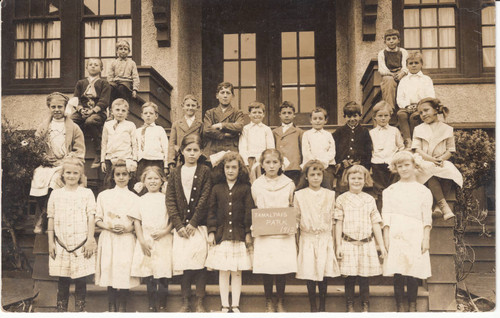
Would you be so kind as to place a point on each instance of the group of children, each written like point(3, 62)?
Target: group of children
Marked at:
point(219, 170)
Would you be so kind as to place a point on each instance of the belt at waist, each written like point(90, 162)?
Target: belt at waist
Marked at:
point(350, 239)
point(64, 246)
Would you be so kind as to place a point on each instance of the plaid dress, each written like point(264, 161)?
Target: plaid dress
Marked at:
point(70, 211)
point(358, 212)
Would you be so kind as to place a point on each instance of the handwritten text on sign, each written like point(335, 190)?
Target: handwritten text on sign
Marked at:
point(274, 221)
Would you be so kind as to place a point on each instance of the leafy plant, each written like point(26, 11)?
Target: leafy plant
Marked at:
point(475, 158)
point(22, 153)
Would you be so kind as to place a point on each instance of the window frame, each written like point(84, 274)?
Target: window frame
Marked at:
point(468, 44)
point(486, 70)
point(72, 66)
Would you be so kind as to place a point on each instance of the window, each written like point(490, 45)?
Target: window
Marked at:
point(37, 40)
point(106, 22)
point(240, 67)
point(488, 35)
point(429, 27)
point(456, 37)
point(50, 40)
point(298, 72)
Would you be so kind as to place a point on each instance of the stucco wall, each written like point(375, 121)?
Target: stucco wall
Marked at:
point(27, 111)
point(468, 103)
point(179, 64)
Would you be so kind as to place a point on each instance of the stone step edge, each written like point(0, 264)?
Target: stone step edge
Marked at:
point(258, 290)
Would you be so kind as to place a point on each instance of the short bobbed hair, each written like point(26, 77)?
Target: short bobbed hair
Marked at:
point(400, 157)
point(73, 161)
point(287, 104)
point(256, 105)
point(220, 175)
point(351, 108)
point(382, 105)
point(319, 110)
point(225, 85)
point(154, 169)
point(150, 104)
point(357, 169)
point(120, 102)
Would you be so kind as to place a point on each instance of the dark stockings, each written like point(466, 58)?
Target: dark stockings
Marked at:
point(311, 291)
point(268, 285)
point(157, 292)
point(201, 282)
point(399, 288)
point(364, 288)
point(63, 289)
point(436, 188)
point(117, 297)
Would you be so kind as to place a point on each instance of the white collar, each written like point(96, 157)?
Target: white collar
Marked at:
point(383, 127)
point(419, 74)
point(318, 131)
point(396, 49)
point(287, 125)
point(254, 124)
point(189, 118)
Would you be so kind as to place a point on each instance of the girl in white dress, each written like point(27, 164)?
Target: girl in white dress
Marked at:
point(229, 221)
point(70, 213)
point(274, 255)
point(153, 249)
point(358, 222)
point(315, 206)
point(115, 209)
point(434, 141)
point(407, 219)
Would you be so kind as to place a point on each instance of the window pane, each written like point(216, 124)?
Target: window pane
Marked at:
point(429, 17)
point(236, 101)
point(289, 72)
point(412, 38)
point(231, 73)
point(106, 63)
point(21, 8)
point(54, 49)
point(37, 50)
point(22, 50)
point(53, 69)
point(108, 28)
point(488, 15)
point(288, 44)
point(129, 40)
point(124, 27)
point(37, 31)
point(91, 29)
point(247, 96)
point(447, 37)
point(412, 1)
point(489, 57)
point(20, 70)
point(488, 35)
point(122, 6)
point(53, 29)
point(430, 58)
point(429, 1)
point(22, 31)
point(446, 16)
point(307, 99)
point(447, 58)
point(429, 38)
point(248, 46)
point(92, 48)
point(446, 1)
point(307, 72)
point(108, 47)
point(411, 18)
point(306, 43)
point(248, 73)
point(54, 7)
point(107, 7)
point(36, 69)
point(91, 7)
point(37, 8)
point(290, 94)
point(230, 46)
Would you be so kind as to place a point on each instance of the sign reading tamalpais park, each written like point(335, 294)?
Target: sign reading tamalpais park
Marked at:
point(274, 221)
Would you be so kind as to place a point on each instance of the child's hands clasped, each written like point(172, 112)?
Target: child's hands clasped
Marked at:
point(183, 233)
point(190, 230)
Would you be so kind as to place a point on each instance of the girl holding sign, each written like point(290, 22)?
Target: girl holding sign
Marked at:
point(274, 255)
point(229, 220)
point(316, 258)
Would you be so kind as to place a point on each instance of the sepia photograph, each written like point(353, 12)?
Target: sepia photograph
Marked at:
point(248, 156)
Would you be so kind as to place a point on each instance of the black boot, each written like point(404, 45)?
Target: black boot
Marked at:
point(269, 305)
point(122, 300)
point(62, 306)
point(311, 292)
point(412, 306)
point(322, 295)
point(280, 305)
point(80, 305)
point(199, 305)
point(349, 306)
point(312, 302)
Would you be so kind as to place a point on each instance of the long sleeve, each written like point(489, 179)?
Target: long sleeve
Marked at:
point(382, 68)
point(249, 205)
point(402, 97)
point(404, 57)
point(79, 92)
point(104, 96)
point(164, 147)
point(200, 211)
point(208, 131)
point(104, 143)
point(78, 147)
point(134, 145)
point(111, 72)
point(243, 145)
point(297, 208)
point(366, 149)
point(212, 212)
point(399, 140)
point(135, 77)
point(428, 88)
point(235, 127)
point(171, 201)
point(269, 139)
point(171, 144)
point(330, 155)
point(306, 149)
